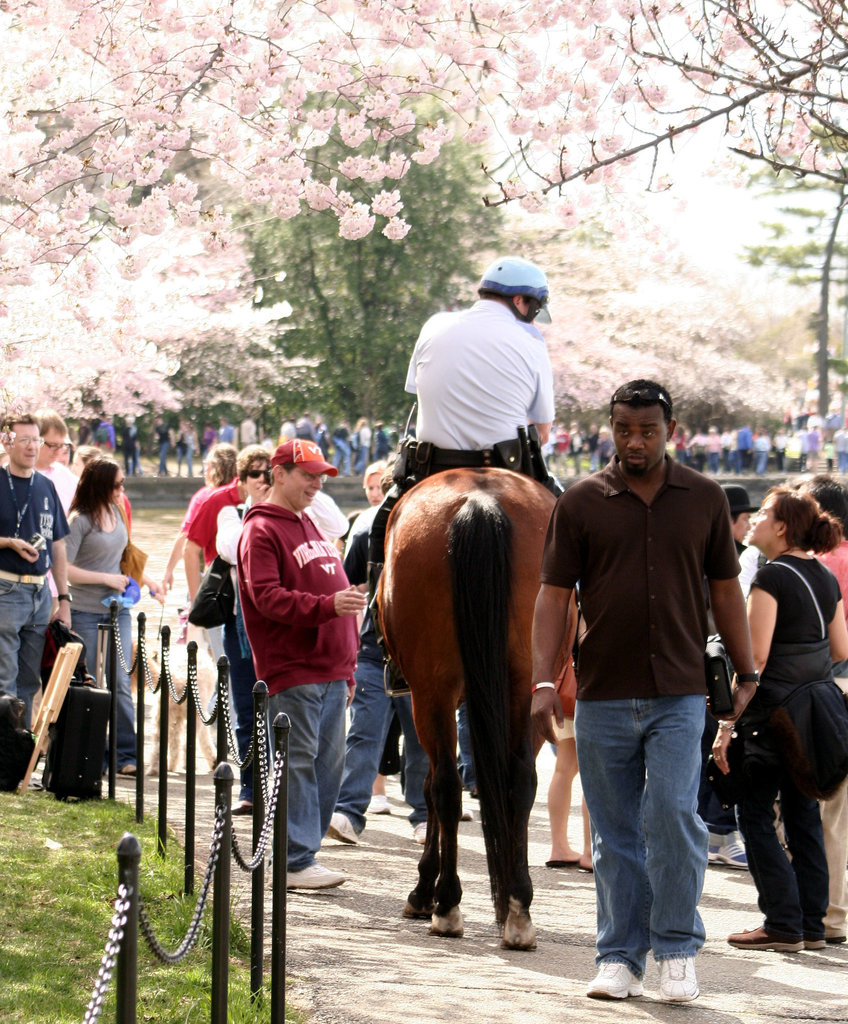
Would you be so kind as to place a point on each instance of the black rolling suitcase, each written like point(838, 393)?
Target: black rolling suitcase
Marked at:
point(77, 746)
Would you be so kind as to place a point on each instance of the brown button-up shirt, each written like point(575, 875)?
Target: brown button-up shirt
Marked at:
point(641, 572)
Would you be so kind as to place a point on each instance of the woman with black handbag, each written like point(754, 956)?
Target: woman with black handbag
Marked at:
point(797, 629)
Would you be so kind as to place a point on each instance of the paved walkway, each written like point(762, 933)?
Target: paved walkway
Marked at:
point(352, 958)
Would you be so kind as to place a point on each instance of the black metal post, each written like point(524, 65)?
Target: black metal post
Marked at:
point(221, 897)
point(164, 709)
point(126, 984)
point(112, 673)
point(282, 727)
point(140, 692)
point(191, 772)
point(223, 689)
point(257, 892)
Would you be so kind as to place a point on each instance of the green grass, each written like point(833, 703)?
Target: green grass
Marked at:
point(58, 879)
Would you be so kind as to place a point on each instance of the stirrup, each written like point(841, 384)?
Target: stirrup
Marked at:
point(393, 682)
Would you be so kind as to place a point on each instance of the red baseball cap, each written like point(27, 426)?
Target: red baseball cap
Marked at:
point(305, 454)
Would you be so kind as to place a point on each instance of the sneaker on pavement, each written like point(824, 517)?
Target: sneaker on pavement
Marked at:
point(419, 833)
point(467, 814)
point(614, 981)
point(715, 843)
point(678, 983)
point(379, 804)
point(342, 829)
point(731, 852)
point(316, 876)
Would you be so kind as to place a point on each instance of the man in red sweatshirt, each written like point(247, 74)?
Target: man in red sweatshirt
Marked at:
point(300, 614)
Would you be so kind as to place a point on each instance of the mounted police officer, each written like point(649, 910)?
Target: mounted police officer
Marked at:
point(484, 386)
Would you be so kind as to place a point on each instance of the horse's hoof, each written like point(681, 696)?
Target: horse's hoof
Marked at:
point(449, 926)
point(519, 931)
point(410, 910)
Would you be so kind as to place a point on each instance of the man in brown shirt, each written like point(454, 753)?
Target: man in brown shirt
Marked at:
point(637, 539)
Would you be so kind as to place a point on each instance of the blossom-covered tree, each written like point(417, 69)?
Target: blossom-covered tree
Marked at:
point(109, 104)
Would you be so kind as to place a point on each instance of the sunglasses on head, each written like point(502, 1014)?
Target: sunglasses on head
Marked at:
point(644, 396)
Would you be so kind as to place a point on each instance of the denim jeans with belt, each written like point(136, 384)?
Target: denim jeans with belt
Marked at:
point(24, 614)
point(370, 716)
point(316, 761)
point(640, 764)
point(85, 623)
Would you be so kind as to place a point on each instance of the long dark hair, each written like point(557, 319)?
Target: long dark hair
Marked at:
point(96, 489)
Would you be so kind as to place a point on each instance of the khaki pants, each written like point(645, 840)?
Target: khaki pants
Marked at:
point(834, 815)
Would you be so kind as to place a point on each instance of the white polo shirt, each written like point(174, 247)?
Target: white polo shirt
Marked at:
point(479, 374)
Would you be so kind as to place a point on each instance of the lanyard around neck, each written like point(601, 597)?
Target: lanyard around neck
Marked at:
point(21, 512)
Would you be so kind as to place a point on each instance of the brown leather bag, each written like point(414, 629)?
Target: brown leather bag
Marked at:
point(133, 560)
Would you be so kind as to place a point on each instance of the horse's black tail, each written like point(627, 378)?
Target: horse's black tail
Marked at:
point(480, 544)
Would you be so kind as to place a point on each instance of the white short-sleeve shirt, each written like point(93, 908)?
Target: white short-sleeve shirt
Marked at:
point(479, 374)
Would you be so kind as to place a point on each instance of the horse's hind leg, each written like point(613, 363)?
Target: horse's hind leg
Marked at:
point(519, 931)
point(420, 902)
point(442, 829)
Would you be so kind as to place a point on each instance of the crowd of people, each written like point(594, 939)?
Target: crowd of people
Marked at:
point(632, 552)
point(803, 444)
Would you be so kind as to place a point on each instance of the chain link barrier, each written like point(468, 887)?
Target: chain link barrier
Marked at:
point(190, 938)
point(110, 956)
point(267, 824)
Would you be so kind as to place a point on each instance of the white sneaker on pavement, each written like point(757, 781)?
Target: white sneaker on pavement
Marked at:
point(316, 876)
point(379, 804)
point(678, 983)
point(731, 852)
point(342, 829)
point(614, 981)
point(419, 833)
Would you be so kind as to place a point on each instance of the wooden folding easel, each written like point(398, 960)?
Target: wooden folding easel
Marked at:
point(51, 702)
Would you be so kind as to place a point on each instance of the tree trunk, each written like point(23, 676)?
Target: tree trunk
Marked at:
point(823, 317)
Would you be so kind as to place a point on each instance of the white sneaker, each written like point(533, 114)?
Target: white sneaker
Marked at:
point(419, 833)
point(614, 981)
point(731, 852)
point(316, 876)
point(379, 804)
point(342, 829)
point(678, 983)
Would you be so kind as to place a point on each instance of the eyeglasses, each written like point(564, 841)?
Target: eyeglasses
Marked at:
point(643, 396)
point(26, 442)
point(254, 474)
point(57, 446)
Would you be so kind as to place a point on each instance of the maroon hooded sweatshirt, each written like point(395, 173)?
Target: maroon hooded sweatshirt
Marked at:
point(288, 574)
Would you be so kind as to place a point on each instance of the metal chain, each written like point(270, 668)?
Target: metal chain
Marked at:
point(169, 678)
point(110, 955)
point(261, 755)
point(191, 935)
point(232, 742)
point(192, 682)
point(265, 832)
point(129, 669)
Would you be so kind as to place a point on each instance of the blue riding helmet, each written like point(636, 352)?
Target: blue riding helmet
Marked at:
point(512, 275)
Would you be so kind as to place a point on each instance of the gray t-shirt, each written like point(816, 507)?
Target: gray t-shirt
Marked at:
point(89, 547)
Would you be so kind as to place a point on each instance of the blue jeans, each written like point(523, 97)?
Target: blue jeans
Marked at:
point(761, 462)
point(712, 461)
point(370, 715)
point(463, 741)
point(163, 458)
point(316, 761)
point(793, 895)
point(341, 457)
point(842, 458)
point(640, 764)
point(24, 614)
point(242, 681)
point(85, 623)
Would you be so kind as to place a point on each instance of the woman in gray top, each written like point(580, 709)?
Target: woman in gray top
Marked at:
point(94, 547)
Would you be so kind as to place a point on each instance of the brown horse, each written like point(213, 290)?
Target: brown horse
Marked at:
point(456, 598)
